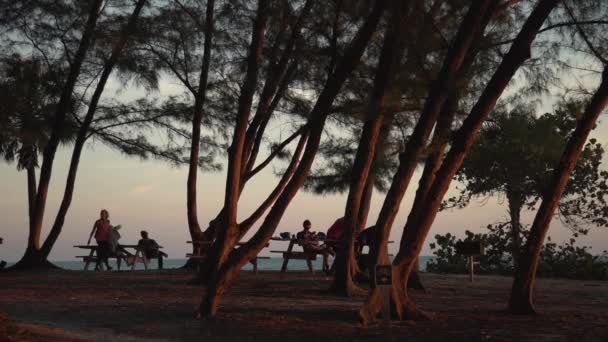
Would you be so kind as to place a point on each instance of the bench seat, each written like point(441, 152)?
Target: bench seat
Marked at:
point(298, 255)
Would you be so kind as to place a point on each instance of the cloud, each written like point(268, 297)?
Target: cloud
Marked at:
point(141, 189)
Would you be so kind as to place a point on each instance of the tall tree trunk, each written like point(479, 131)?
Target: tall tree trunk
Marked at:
point(228, 233)
point(192, 209)
point(33, 238)
point(415, 231)
point(345, 265)
point(33, 257)
point(521, 300)
point(84, 129)
point(440, 140)
point(366, 201)
point(515, 204)
point(226, 275)
point(211, 253)
point(272, 90)
point(474, 22)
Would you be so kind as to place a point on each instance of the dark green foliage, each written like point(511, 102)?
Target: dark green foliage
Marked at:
point(569, 261)
point(28, 97)
point(495, 261)
point(514, 157)
point(564, 261)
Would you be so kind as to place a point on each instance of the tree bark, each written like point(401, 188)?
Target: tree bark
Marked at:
point(32, 255)
point(521, 300)
point(440, 140)
point(191, 201)
point(415, 231)
point(345, 264)
point(474, 22)
point(515, 204)
point(270, 92)
point(227, 272)
point(33, 238)
point(228, 232)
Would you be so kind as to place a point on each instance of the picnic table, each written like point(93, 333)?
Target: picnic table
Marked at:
point(198, 255)
point(308, 256)
point(137, 256)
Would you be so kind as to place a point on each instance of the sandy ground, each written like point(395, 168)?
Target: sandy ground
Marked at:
point(160, 306)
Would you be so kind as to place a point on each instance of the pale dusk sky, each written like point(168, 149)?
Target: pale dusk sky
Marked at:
point(151, 195)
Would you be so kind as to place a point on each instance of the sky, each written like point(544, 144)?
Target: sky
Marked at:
point(151, 195)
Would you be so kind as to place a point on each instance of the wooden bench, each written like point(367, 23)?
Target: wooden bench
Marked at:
point(88, 259)
point(289, 254)
point(136, 257)
point(198, 257)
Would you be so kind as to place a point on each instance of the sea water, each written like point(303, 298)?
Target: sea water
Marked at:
point(272, 264)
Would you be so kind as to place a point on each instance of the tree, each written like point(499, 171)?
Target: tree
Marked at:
point(514, 156)
point(28, 98)
point(420, 45)
point(229, 261)
point(521, 299)
point(36, 254)
point(182, 49)
point(360, 185)
point(423, 214)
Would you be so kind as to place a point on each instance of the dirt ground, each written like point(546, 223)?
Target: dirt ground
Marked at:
point(269, 306)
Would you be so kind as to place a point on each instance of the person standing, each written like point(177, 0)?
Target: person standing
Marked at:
point(101, 230)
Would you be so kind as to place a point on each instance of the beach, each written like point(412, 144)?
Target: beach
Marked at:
point(295, 306)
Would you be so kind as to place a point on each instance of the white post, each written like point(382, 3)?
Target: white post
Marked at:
point(471, 267)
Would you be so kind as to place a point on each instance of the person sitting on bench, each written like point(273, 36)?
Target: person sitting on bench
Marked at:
point(310, 244)
point(149, 247)
point(335, 234)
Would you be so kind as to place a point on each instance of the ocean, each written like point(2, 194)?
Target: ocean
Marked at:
point(272, 264)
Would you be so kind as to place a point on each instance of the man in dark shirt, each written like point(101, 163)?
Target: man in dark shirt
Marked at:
point(148, 246)
point(309, 243)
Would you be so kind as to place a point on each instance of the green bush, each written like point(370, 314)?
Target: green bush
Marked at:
point(564, 261)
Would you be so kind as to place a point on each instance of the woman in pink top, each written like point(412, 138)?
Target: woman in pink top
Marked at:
point(101, 229)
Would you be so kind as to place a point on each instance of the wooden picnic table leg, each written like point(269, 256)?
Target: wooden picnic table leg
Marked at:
point(286, 256)
point(310, 267)
point(145, 259)
point(135, 259)
point(86, 265)
point(254, 262)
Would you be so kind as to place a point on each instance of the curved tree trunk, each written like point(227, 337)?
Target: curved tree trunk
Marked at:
point(515, 204)
point(33, 238)
point(345, 263)
point(228, 232)
point(192, 210)
point(32, 255)
point(196, 234)
point(84, 128)
point(440, 140)
point(472, 24)
point(415, 231)
point(273, 91)
point(521, 300)
point(226, 273)
point(206, 267)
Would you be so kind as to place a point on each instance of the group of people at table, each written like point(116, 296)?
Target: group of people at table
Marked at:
point(107, 237)
point(311, 241)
